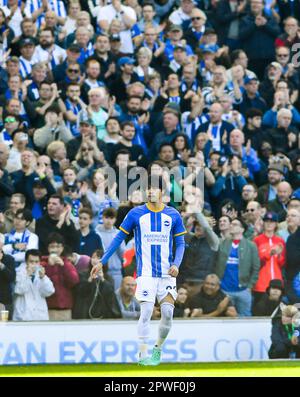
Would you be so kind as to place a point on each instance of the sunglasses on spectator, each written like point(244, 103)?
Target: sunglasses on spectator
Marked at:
point(73, 70)
point(10, 120)
point(196, 18)
point(282, 55)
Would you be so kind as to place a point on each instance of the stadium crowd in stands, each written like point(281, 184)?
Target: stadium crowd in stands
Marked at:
point(200, 89)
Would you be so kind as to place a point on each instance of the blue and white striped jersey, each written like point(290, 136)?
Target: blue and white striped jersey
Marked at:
point(154, 233)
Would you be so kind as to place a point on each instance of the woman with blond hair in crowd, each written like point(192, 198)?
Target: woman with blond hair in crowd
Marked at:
point(143, 70)
point(57, 152)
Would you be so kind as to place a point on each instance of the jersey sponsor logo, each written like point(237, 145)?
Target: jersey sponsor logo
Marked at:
point(145, 293)
point(156, 237)
point(167, 223)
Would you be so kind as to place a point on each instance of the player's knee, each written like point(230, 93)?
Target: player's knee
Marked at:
point(146, 311)
point(167, 310)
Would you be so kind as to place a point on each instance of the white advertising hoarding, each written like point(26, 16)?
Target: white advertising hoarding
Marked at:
point(116, 341)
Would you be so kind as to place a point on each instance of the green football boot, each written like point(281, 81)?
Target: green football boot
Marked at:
point(143, 362)
point(156, 356)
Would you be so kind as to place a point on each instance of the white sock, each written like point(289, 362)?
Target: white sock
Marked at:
point(144, 328)
point(165, 324)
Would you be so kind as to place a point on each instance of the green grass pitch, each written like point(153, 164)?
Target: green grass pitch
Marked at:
point(228, 369)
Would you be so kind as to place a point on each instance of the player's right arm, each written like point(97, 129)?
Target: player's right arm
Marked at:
point(126, 227)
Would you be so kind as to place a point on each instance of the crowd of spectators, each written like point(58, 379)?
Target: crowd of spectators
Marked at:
point(206, 91)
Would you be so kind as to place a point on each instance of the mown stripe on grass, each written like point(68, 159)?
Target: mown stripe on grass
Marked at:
point(266, 368)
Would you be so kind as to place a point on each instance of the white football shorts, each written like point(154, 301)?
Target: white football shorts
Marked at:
point(150, 288)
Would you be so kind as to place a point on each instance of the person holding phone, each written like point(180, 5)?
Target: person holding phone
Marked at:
point(31, 290)
point(64, 276)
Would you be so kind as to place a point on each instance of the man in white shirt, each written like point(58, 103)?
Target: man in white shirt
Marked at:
point(14, 16)
point(27, 58)
point(47, 51)
point(126, 15)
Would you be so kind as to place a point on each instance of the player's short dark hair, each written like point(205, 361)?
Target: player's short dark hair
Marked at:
point(156, 181)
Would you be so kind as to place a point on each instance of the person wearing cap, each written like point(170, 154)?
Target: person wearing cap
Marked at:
point(268, 191)
point(176, 65)
point(270, 300)
point(251, 96)
point(125, 14)
point(20, 238)
point(175, 35)
point(272, 254)
point(126, 77)
point(194, 33)
point(268, 85)
point(87, 132)
point(182, 15)
point(73, 53)
point(279, 204)
point(115, 46)
point(27, 58)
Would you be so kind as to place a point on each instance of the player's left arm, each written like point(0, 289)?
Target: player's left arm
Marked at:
point(178, 233)
point(180, 247)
